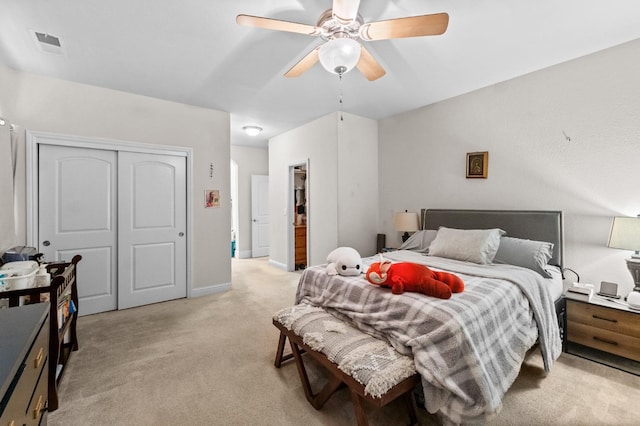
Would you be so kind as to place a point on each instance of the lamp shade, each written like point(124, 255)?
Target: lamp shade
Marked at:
point(406, 222)
point(339, 55)
point(625, 233)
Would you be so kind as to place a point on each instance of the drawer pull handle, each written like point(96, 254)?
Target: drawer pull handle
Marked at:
point(39, 358)
point(39, 405)
point(600, 339)
point(604, 319)
point(12, 423)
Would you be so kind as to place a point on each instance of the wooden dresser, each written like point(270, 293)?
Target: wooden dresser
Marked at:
point(24, 373)
point(300, 247)
point(605, 328)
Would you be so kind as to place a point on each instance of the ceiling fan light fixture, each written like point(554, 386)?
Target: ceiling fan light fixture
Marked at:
point(339, 55)
point(252, 130)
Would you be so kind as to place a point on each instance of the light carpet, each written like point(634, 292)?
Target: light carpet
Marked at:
point(209, 361)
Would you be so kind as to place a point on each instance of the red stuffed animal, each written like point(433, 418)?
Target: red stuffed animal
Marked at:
point(415, 278)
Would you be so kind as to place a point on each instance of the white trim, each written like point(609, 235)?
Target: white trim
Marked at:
point(35, 138)
point(278, 264)
point(211, 289)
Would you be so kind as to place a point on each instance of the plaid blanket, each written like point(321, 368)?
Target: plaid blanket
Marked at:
point(468, 349)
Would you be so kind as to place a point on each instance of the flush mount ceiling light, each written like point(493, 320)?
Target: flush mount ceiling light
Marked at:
point(252, 130)
point(339, 55)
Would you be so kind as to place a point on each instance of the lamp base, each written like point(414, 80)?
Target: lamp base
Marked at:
point(405, 236)
point(633, 299)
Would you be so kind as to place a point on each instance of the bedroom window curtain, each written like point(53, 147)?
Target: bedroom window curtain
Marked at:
point(7, 205)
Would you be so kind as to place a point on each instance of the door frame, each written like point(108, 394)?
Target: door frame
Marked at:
point(291, 232)
point(36, 138)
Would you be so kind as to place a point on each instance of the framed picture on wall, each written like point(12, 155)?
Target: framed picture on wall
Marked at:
point(211, 198)
point(477, 164)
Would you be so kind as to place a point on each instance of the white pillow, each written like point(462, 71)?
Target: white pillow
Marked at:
point(529, 254)
point(419, 241)
point(470, 245)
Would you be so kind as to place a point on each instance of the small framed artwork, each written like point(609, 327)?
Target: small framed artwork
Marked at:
point(211, 198)
point(477, 164)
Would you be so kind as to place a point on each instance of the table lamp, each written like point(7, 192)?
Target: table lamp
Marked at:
point(405, 222)
point(625, 234)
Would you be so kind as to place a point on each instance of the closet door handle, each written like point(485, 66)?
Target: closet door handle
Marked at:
point(180, 234)
point(46, 243)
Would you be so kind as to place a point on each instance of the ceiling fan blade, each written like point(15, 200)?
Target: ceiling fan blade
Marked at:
point(412, 26)
point(369, 66)
point(304, 64)
point(345, 10)
point(277, 25)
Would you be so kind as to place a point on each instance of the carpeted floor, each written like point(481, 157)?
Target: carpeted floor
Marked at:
point(209, 361)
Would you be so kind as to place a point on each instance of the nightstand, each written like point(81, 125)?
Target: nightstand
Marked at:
point(604, 331)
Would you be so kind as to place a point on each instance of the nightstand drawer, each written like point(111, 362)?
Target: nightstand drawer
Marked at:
point(601, 317)
point(604, 340)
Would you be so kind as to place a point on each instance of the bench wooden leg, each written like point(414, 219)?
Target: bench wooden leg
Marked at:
point(316, 400)
point(361, 416)
point(279, 352)
point(410, 401)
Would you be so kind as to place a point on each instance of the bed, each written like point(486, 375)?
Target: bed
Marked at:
point(468, 349)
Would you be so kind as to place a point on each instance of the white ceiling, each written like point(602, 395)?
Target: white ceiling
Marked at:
point(193, 52)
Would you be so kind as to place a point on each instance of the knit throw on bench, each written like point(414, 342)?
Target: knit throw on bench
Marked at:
point(372, 362)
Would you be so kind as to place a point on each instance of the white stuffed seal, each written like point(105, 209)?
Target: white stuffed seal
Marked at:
point(344, 261)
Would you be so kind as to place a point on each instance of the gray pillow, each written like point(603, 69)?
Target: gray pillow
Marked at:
point(471, 245)
point(419, 241)
point(528, 254)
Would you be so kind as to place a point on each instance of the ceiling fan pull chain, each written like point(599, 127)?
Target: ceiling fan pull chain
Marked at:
point(341, 103)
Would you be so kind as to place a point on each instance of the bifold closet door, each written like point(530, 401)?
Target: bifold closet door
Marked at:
point(77, 214)
point(152, 228)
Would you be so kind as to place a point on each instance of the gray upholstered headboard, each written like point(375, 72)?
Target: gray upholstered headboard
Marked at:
point(540, 225)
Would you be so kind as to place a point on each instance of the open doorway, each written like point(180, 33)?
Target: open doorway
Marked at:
point(299, 196)
point(235, 234)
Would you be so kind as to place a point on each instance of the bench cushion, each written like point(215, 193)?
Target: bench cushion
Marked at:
point(370, 361)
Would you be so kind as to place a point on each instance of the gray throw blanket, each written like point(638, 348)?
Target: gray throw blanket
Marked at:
point(468, 349)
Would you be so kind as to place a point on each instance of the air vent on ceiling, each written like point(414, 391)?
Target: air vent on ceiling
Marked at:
point(48, 39)
point(47, 42)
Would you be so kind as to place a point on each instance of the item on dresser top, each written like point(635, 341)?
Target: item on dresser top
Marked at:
point(580, 291)
point(344, 261)
point(412, 277)
point(19, 253)
point(19, 275)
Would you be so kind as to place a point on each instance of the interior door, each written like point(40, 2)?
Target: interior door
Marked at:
point(152, 228)
point(77, 215)
point(259, 215)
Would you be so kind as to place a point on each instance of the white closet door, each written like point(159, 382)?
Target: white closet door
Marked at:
point(152, 228)
point(259, 216)
point(77, 215)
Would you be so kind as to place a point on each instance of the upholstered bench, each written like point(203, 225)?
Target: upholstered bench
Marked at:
point(371, 368)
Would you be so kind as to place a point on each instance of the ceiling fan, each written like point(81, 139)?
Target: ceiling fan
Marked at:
point(341, 27)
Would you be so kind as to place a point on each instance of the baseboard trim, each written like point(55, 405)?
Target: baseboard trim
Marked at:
point(212, 289)
point(278, 264)
point(244, 254)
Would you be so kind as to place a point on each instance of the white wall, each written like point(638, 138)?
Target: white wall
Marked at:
point(594, 100)
point(342, 181)
point(50, 105)
point(358, 183)
point(251, 161)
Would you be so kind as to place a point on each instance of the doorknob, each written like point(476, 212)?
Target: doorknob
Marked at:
point(180, 234)
point(255, 220)
point(46, 243)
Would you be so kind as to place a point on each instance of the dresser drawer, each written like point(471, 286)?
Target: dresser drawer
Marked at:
point(38, 406)
point(604, 340)
point(301, 232)
point(615, 320)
